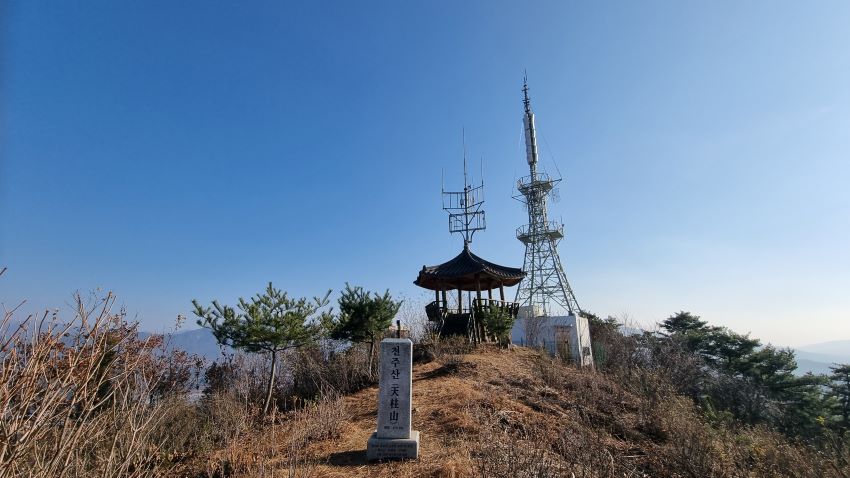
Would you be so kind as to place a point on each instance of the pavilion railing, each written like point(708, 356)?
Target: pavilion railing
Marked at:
point(439, 310)
point(480, 305)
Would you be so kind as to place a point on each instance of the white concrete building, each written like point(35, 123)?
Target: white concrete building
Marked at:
point(565, 335)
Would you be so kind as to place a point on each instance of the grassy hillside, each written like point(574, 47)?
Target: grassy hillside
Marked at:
point(94, 398)
point(497, 412)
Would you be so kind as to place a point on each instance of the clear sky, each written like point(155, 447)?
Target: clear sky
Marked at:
point(176, 150)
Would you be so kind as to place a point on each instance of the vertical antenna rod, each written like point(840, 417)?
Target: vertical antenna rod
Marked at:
point(466, 214)
point(530, 134)
point(467, 237)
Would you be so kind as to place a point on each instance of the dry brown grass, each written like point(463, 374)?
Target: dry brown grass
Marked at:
point(278, 445)
point(95, 402)
point(517, 413)
point(460, 436)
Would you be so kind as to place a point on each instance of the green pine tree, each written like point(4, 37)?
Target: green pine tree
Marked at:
point(498, 322)
point(839, 390)
point(270, 322)
point(363, 317)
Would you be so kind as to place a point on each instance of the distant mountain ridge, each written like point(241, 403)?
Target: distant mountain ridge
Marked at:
point(834, 348)
point(199, 342)
point(818, 358)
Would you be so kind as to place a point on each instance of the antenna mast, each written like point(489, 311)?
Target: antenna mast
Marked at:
point(465, 208)
point(546, 283)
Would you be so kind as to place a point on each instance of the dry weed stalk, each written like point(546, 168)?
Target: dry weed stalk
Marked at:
point(317, 420)
point(78, 399)
point(506, 448)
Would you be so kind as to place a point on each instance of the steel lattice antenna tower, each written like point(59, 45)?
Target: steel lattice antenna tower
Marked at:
point(545, 281)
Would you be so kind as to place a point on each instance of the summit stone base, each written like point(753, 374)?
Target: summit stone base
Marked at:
point(393, 448)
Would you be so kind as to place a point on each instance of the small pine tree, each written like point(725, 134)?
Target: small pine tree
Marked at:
point(498, 322)
point(269, 322)
point(363, 317)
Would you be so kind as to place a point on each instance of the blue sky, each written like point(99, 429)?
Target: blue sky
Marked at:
point(176, 150)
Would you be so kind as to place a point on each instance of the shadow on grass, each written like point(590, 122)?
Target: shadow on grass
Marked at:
point(450, 368)
point(348, 458)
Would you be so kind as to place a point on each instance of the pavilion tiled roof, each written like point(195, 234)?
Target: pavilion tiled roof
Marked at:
point(468, 272)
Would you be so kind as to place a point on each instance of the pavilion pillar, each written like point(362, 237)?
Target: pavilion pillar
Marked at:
point(479, 335)
point(437, 295)
point(445, 301)
point(490, 294)
point(502, 291)
point(478, 288)
point(459, 301)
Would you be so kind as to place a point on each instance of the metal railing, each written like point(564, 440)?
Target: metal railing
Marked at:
point(551, 229)
point(526, 181)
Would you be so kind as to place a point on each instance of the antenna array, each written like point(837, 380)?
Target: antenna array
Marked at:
point(465, 208)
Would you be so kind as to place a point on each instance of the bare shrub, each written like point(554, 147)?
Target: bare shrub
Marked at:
point(239, 462)
point(769, 453)
point(694, 448)
point(644, 361)
point(315, 372)
point(509, 448)
point(837, 450)
point(412, 313)
point(322, 418)
point(549, 369)
point(316, 420)
point(583, 451)
point(502, 451)
point(452, 364)
point(241, 375)
point(452, 345)
point(422, 353)
point(284, 446)
point(224, 417)
point(299, 464)
point(179, 432)
point(83, 398)
point(449, 351)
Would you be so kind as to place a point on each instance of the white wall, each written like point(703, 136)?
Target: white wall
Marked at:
point(557, 334)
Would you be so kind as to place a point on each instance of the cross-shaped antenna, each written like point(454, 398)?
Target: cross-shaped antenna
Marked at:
point(466, 214)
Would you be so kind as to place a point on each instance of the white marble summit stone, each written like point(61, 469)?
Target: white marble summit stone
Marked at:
point(395, 389)
point(394, 440)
